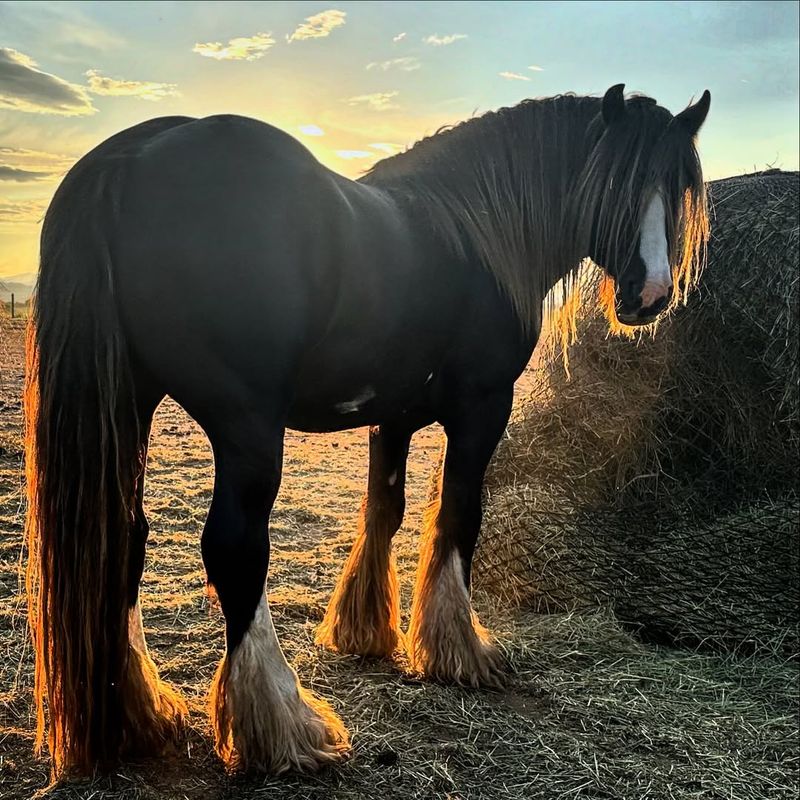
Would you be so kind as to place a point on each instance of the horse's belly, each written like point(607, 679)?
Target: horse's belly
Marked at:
point(339, 395)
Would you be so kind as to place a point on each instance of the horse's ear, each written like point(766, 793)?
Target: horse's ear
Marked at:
point(614, 104)
point(693, 116)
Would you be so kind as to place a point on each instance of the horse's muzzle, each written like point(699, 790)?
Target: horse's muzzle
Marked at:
point(639, 314)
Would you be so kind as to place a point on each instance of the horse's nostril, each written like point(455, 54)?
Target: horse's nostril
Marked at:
point(631, 295)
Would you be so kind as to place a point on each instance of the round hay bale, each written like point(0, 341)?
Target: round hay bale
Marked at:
point(660, 478)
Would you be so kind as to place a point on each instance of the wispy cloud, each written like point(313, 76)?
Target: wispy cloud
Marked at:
point(406, 64)
point(23, 87)
point(116, 87)
point(440, 41)
point(86, 33)
point(318, 25)
point(311, 130)
point(386, 147)
point(35, 160)
point(351, 154)
point(536, 68)
point(513, 76)
point(399, 37)
point(378, 101)
point(18, 212)
point(18, 175)
point(242, 48)
point(65, 24)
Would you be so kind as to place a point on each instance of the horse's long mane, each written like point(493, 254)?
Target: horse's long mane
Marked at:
point(524, 187)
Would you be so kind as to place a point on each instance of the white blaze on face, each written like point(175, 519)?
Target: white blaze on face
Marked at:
point(654, 253)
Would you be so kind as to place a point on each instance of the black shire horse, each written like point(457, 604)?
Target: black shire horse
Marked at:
point(410, 296)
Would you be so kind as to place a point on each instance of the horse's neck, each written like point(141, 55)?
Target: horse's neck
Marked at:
point(513, 208)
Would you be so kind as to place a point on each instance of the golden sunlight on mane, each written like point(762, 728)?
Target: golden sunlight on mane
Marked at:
point(692, 245)
point(591, 288)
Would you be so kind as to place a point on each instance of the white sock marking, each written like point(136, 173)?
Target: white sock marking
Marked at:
point(452, 585)
point(259, 658)
point(136, 628)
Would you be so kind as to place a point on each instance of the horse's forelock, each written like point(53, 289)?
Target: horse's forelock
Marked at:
point(618, 181)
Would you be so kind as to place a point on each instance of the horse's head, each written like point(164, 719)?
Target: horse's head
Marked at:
point(643, 190)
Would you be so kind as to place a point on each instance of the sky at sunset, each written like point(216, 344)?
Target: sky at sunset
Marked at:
point(357, 81)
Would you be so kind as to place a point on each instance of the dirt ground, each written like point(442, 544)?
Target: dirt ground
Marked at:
point(547, 736)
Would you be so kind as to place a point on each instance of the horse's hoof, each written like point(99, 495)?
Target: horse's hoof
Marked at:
point(477, 664)
point(266, 727)
point(377, 641)
point(363, 615)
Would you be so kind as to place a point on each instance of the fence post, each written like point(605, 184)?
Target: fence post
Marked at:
point(12, 305)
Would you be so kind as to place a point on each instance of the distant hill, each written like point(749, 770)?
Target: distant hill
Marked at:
point(21, 286)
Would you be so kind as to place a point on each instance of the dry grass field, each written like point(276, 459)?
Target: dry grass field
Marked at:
point(589, 711)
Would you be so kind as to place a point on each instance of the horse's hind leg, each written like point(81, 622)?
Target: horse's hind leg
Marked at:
point(363, 613)
point(155, 711)
point(445, 639)
point(263, 719)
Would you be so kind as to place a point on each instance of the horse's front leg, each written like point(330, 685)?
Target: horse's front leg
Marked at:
point(445, 640)
point(263, 718)
point(363, 613)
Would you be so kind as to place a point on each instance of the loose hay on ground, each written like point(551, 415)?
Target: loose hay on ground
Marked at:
point(589, 711)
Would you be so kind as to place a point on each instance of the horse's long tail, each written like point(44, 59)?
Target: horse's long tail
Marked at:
point(82, 449)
